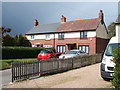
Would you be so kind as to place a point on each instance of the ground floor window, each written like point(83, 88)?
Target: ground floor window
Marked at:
point(61, 48)
point(84, 48)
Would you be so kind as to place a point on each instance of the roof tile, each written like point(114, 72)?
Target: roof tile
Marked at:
point(79, 25)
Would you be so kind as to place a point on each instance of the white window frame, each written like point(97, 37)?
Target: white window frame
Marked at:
point(61, 48)
point(83, 34)
point(84, 48)
point(47, 37)
point(32, 36)
point(61, 35)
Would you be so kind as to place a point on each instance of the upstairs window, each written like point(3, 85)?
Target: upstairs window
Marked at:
point(32, 37)
point(60, 35)
point(47, 36)
point(83, 34)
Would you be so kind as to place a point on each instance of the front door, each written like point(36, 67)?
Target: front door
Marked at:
point(72, 46)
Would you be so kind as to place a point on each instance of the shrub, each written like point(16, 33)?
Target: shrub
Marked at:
point(116, 76)
point(21, 52)
point(4, 65)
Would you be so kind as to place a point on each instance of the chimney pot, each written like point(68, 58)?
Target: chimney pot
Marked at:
point(101, 15)
point(35, 22)
point(63, 19)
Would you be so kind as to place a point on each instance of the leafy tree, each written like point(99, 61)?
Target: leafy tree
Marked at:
point(111, 28)
point(22, 41)
point(18, 40)
point(8, 40)
point(4, 30)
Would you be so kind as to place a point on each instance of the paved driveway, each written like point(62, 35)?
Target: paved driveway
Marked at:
point(85, 77)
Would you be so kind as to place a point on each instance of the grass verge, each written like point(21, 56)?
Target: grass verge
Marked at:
point(6, 63)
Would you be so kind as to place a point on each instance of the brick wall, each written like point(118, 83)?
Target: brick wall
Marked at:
point(96, 45)
point(101, 44)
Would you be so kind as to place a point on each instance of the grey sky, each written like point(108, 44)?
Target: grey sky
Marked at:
point(19, 16)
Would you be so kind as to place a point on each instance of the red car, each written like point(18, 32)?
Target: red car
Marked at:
point(46, 54)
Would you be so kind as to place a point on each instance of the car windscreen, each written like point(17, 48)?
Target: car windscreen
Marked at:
point(111, 47)
point(45, 51)
point(72, 52)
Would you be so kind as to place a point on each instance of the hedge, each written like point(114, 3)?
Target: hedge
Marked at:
point(116, 76)
point(21, 52)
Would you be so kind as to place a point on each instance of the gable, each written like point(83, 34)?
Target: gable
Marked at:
point(101, 31)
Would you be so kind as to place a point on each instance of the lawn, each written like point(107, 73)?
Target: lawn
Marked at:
point(6, 63)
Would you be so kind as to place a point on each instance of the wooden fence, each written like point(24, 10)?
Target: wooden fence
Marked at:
point(32, 69)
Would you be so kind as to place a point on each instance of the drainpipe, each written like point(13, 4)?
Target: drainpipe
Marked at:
point(54, 40)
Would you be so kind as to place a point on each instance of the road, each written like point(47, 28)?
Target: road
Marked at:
point(85, 77)
point(6, 76)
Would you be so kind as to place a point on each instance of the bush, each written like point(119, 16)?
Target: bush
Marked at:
point(21, 52)
point(4, 65)
point(116, 76)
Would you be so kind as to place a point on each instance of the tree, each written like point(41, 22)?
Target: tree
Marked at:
point(22, 41)
point(111, 29)
point(8, 40)
point(4, 30)
point(18, 40)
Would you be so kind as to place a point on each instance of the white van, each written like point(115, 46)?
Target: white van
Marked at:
point(107, 64)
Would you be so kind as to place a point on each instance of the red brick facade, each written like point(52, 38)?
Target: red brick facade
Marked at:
point(96, 45)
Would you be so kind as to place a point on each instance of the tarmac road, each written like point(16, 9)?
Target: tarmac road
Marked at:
point(6, 76)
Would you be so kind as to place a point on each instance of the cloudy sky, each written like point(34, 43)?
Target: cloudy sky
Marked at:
point(19, 16)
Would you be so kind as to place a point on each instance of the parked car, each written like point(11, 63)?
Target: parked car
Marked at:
point(107, 64)
point(46, 54)
point(72, 53)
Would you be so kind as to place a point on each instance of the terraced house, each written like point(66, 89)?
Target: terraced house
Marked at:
point(89, 35)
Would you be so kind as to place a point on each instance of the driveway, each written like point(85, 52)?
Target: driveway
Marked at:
point(85, 77)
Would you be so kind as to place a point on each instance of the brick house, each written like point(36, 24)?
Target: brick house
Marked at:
point(89, 35)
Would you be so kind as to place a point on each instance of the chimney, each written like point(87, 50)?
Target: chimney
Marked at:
point(63, 19)
point(101, 16)
point(35, 23)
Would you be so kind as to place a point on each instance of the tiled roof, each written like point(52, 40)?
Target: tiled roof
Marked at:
point(44, 28)
point(79, 25)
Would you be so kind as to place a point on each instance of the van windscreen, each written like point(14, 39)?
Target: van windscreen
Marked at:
point(111, 47)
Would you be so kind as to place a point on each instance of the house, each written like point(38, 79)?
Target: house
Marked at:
point(89, 35)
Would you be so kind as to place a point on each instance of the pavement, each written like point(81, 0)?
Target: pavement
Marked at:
point(6, 76)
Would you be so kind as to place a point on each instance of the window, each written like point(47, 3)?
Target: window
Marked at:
point(60, 48)
point(47, 36)
point(110, 48)
point(83, 34)
point(60, 35)
point(32, 36)
point(84, 48)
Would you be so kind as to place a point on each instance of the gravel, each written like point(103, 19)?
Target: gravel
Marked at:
point(85, 77)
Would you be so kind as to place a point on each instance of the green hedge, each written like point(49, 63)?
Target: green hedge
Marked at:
point(116, 76)
point(21, 52)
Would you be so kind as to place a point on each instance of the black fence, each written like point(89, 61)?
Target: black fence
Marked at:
point(33, 69)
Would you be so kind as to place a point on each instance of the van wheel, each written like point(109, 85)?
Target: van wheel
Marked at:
point(106, 79)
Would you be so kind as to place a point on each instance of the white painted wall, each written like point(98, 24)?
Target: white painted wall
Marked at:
point(67, 35)
point(41, 36)
point(91, 34)
point(72, 35)
point(77, 34)
point(118, 32)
